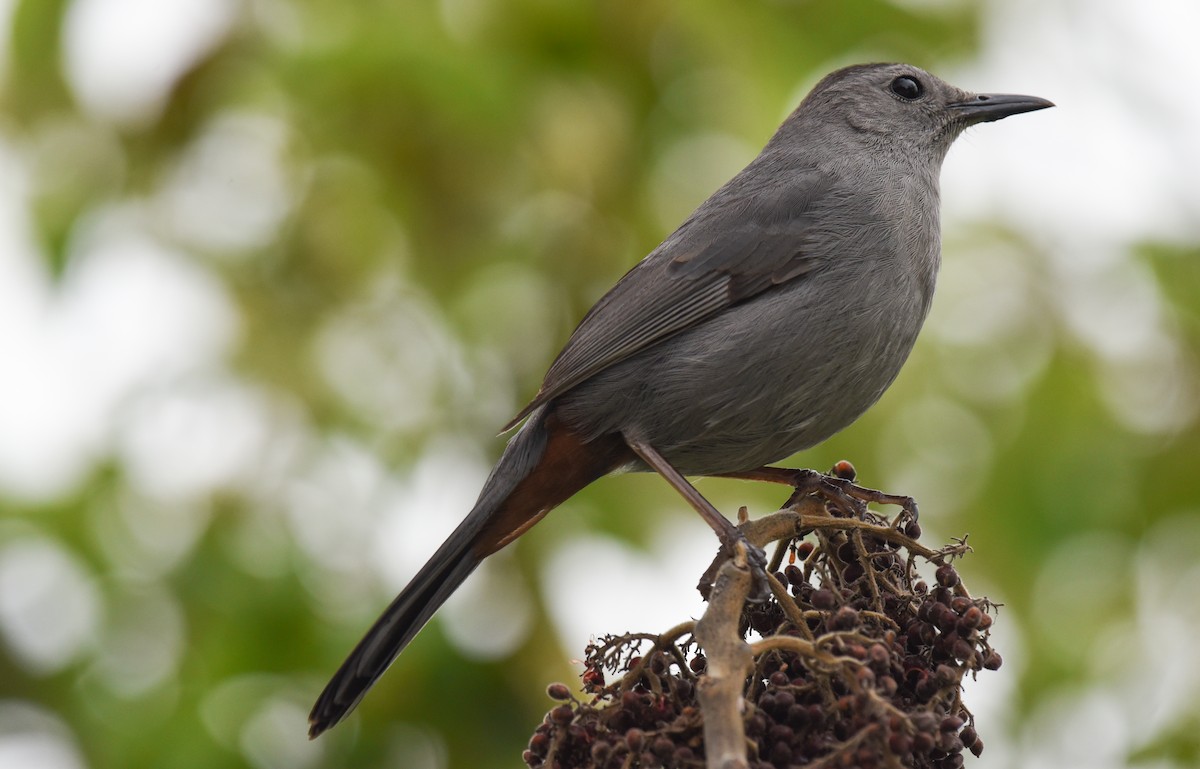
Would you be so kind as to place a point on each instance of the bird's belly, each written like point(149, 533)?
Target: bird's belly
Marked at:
point(753, 385)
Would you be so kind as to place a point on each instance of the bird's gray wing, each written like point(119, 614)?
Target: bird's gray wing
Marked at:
point(738, 244)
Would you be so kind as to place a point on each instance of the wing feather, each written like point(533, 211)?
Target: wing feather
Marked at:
point(738, 244)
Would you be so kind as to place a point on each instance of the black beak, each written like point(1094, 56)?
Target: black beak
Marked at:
point(986, 107)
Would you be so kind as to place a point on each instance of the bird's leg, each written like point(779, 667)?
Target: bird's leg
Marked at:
point(728, 534)
point(838, 487)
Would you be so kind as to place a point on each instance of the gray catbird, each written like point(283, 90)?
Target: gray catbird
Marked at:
point(776, 314)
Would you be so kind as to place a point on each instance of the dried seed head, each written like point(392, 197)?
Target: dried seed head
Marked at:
point(976, 747)
point(946, 575)
point(844, 470)
point(823, 600)
point(846, 618)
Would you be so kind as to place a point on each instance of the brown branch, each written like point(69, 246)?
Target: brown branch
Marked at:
point(662, 642)
point(729, 661)
point(800, 646)
point(789, 607)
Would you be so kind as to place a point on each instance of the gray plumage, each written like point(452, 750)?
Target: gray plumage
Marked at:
point(787, 303)
point(772, 318)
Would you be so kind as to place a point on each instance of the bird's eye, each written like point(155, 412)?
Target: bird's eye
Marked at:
point(907, 87)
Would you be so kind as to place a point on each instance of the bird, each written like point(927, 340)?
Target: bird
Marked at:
point(776, 314)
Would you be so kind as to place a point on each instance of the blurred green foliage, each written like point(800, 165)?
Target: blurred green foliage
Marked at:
point(461, 180)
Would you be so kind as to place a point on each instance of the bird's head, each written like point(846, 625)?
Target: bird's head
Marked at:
point(896, 105)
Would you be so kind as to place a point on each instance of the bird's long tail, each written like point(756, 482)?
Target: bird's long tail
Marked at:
point(542, 466)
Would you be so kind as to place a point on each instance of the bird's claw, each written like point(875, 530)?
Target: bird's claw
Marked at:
point(839, 490)
point(737, 546)
point(756, 562)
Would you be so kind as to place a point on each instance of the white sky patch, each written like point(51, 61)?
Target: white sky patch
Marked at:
point(230, 190)
point(123, 56)
point(49, 605)
point(127, 312)
point(33, 738)
point(392, 359)
point(187, 438)
point(142, 643)
point(334, 501)
point(1117, 158)
point(595, 585)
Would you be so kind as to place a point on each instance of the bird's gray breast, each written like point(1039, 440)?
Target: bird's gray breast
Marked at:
point(786, 369)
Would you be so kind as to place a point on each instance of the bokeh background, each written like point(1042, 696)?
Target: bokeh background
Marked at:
point(272, 274)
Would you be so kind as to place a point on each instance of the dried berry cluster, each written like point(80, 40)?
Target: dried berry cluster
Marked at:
point(860, 666)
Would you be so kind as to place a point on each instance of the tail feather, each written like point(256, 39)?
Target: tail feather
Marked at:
point(453, 562)
point(393, 631)
point(543, 465)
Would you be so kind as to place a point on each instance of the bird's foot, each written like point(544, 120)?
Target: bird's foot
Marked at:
point(841, 494)
point(756, 561)
point(838, 489)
